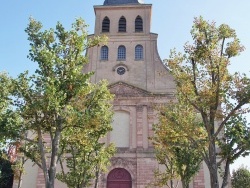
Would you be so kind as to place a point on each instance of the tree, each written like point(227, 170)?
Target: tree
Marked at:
point(174, 144)
point(44, 99)
point(10, 122)
point(8, 118)
point(204, 82)
point(234, 143)
point(241, 178)
point(88, 155)
point(6, 172)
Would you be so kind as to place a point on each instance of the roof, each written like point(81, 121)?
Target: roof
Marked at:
point(122, 2)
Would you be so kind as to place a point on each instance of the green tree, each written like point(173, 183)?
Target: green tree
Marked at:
point(234, 143)
point(44, 99)
point(204, 82)
point(88, 155)
point(173, 139)
point(6, 172)
point(241, 178)
point(8, 118)
point(10, 122)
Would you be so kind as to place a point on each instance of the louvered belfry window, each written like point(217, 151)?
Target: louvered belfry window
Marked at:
point(122, 24)
point(138, 24)
point(105, 24)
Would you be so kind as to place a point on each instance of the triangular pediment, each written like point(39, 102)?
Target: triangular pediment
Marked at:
point(125, 90)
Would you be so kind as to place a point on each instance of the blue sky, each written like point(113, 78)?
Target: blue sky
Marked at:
point(171, 19)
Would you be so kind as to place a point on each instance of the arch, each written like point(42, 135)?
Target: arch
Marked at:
point(138, 52)
point(121, 54)
point(119, 178)
point(122, 24)
point(120, 64)
point(104, 53)
point(138, 24)
point(105, 24)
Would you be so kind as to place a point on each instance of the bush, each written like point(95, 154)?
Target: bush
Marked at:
point(241, 178)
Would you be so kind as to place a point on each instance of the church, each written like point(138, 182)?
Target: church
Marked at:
point(131, 64)
point(139, 80)
point(136, 75)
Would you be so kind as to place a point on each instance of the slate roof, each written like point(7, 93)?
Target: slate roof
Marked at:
point(121, 2)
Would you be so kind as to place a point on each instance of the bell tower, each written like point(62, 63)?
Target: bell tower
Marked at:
point(138, 78)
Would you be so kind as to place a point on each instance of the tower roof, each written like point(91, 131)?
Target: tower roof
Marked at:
point(122, 2)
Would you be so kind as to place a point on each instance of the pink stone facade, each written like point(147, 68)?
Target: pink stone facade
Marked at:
point(138, 158)
point(199, 179)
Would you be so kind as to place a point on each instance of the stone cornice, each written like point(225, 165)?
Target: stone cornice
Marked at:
point(122, 89)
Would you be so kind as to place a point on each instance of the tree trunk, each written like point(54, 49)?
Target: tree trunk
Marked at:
point(43, 158)
point(225, 177)
point(20, 179)
point(184, 182)
point(171, 184)
point(54, 153)
point(184, 185)
point(96, 177)
point(212, 166)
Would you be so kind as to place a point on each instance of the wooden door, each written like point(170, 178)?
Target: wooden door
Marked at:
point(119, 178)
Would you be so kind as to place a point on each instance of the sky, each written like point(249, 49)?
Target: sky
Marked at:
point(171, 20)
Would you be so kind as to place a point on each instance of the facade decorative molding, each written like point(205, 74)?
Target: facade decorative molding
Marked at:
point(122, 89)
point(127, 163)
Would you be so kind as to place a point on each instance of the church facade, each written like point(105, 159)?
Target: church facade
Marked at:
point(139, 80)
point(136, 74)
point(131, 64)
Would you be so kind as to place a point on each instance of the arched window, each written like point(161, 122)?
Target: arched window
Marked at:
point(138, 52)
point(104, 53)
point(138, 24)
point(121, 54)
point(105, 24)
point(122, 24)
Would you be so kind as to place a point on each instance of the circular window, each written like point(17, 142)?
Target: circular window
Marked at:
point(120, 70)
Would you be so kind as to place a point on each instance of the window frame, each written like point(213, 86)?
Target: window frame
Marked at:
point(122, 25)
point(138, 24)
point(104, 29)
point(121, 53)
point(139, 52)
point(104, 53)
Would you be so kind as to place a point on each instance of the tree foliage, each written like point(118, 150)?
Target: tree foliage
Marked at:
point(9, 119)
point(235, 142)
point(179, 139)
point(44, 100)
point(6, 172)
point(10, 122)
point(204, 82)
point(241, 178)
point(88, 155)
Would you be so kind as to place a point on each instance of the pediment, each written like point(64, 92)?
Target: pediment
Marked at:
point(122, 89)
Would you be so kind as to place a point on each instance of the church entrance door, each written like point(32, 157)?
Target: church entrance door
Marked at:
point(119, 178)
